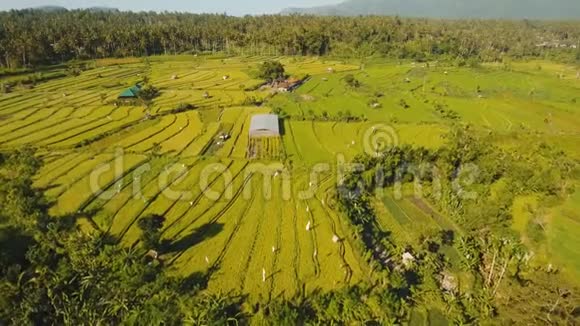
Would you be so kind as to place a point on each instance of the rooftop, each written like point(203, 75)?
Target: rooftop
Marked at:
point(264, 125)
point(131, 92)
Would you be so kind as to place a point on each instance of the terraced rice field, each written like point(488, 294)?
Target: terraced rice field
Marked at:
point(111, 165)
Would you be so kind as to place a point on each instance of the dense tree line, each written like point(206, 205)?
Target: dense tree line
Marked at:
point(32, 37)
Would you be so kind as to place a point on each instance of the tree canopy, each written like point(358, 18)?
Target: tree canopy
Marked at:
point(271, 70)
point(150, 227)
point(31, 37)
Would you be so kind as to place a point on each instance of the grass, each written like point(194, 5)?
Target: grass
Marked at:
point(408, 218)
point(563, 241)
point(522, 211)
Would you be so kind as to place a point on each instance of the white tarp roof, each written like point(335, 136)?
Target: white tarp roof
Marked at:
point(264, 125)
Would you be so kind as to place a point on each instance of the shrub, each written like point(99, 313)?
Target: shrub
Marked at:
point(474, 62)
point(446, 113)
point(150, 227)
point(404, 104)
point(5, 88)
point(73, 71)
point(148, 93)
point(280, 113)
point(351, 81)
point(252, 100)
point(183, 107)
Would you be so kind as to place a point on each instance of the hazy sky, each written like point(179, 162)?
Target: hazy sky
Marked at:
point(232, 7)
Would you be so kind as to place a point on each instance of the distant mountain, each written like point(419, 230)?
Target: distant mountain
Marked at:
point(50, 8)
point(102, 9)
point(61, 9)
point(510, 9)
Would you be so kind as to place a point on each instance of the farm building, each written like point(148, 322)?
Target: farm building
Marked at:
point(288, 85)
point(264, 138)
point(130, 93)
point(264, 125)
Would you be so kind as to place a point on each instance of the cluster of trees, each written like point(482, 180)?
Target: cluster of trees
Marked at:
point(443, 111)
point(543, 170)
point(32, 37)
point(489, 249)
point(351, 81)
point(271, 70)
point(148, 93)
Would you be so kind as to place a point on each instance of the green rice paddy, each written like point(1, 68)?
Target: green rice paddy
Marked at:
point(237, 234)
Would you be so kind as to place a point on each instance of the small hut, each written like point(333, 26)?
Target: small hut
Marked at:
point(130, 93)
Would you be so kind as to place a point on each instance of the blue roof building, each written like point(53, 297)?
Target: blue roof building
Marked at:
point(130, 93)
